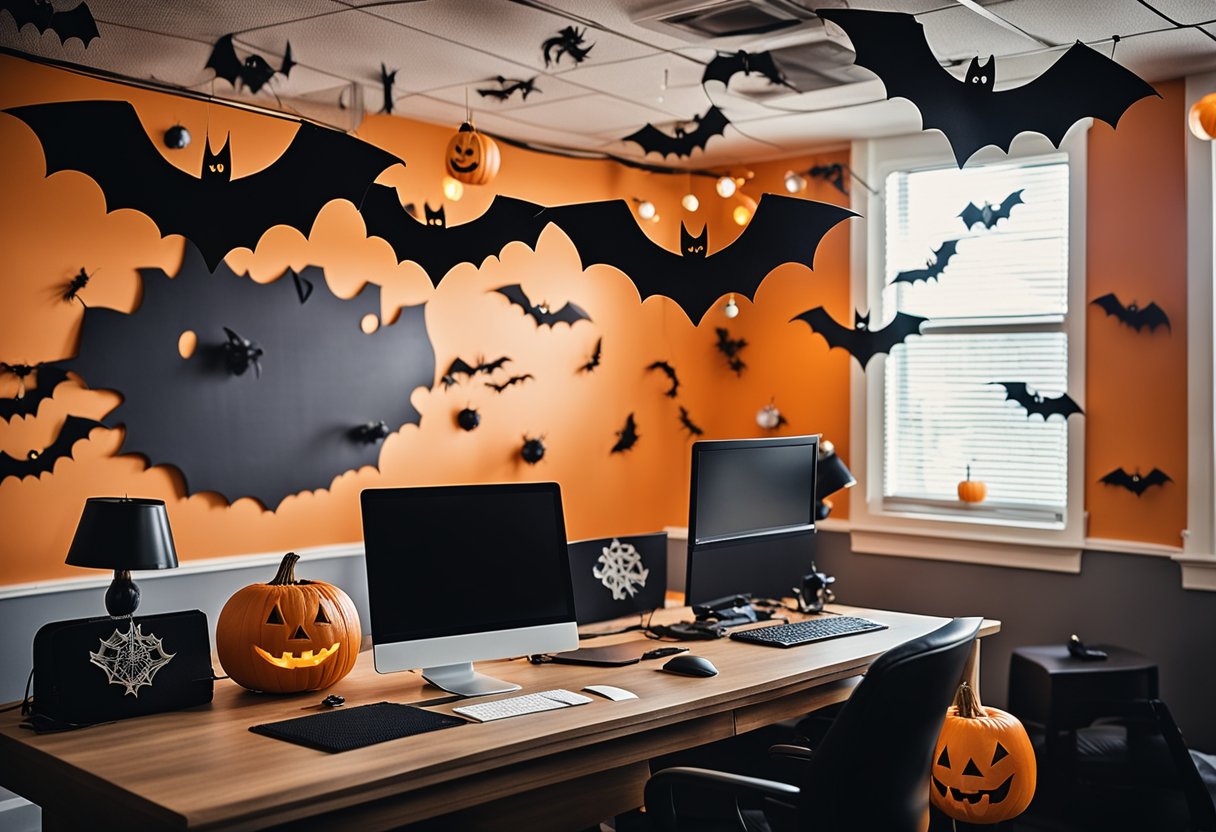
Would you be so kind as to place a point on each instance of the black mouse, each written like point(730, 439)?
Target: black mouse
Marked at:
point(688, 665)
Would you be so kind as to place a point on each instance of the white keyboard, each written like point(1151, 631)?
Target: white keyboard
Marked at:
point(546, 700)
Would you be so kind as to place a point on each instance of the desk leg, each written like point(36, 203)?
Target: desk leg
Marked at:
point(971, 670)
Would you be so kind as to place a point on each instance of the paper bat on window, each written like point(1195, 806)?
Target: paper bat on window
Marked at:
point(594, 361)
point(969, 111)
point(27, 401)
point(1036, 404)
point(670, 372)
point(688, 424)
point(215, 212)
point(990, 214)
point(459, 365)
point(76, 22)
point(730, 348)
point(1136, 483)
point(498, 388)
point(933, 268)
point(723, 66)
point(627, 436)
point(507, 87)
point(253, 72)
point(783, 230)
point(683, 143)
point(40, 462)
point(859, 340)
point(541, 313)
point(1136, 317)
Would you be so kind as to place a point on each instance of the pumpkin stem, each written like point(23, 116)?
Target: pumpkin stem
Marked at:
point(286, 576)
point(967, 701)
point(968, 473)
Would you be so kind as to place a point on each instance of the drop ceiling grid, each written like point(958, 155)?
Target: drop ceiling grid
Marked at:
point(592, 113)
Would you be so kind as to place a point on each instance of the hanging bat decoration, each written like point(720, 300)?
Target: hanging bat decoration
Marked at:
point(723, 66)
point(26, 402)
point(468, 419)
point(970, 112)
point(1036, 404)
point(594, 361)
point(832, 174)
point(370, 433)
point(569, 41)
point(303, 286)
point(730, 348)
point(214, 211)
point(683, 143)
point(860, 341)
point(783, 230)
point(498, 388)
point(1136, 483)
point(459, 365)
point(40, 462)
point(670, 372)
point(387, 79)
point(1136, 317)
point(76, 22)
point(240, 354)
point(507, 87)
point(72, 291)
point(688, 424)
point(627, 436)
point(533, 449)
point(990, 214)
point(933, 268)
point(541, 313)
point(253, 72)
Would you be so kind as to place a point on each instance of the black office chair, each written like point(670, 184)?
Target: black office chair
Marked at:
point(872, 769)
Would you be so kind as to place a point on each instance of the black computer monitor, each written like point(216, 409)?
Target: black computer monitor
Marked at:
point(465, 573)
point(751, 516)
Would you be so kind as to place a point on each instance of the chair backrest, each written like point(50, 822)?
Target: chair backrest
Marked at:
point(871, 771)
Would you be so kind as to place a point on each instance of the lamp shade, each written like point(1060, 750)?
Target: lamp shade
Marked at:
point(831, 476)
point(123, 534)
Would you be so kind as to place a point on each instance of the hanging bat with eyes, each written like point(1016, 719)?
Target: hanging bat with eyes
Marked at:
point(40, 462)
point(253, 72)
point(723, 66)
point(688, 424)
point(627, 436)
point(933, 268)
point(1136, 483)
point(498, 388)
point(970, 111)
point(1136, 317)
point(76, 22)
point(1036, 404)
point(683, 143)
point(990, 214)
point(670, 372)
point(860, 341)
point(594, 360)
point(541, 313)
point(26, 401)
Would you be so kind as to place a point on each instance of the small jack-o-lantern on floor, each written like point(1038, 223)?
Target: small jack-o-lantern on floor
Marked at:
point(983, 766)
point(288, 635)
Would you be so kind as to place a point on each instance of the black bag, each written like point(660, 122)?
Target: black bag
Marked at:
point(94, 670)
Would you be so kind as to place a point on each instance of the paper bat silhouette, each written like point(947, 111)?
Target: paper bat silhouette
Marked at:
point(40, 462)
point(832, 174)
point(459, 365)
point(860, 341)
point(970, 112)
point(569, 41)
point(1136, 483)
point(594, 360)
point(933, 268)
point(215, 212)
point(653, 140)
point(783, 230)
point(723, 66)
point(687, 423)
point(27, 401)
point(498, 388)
point(541, 313)
point(1136, 317)
point(670, 372)
point(990, 214)
point(76, 22)
point(72, 291)
point(387, 79)
point(627, 436)
point(507, 87)
point(1036, 404)
point(730, 348)
point(253, 72)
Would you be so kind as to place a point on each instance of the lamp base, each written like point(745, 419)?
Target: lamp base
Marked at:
point(122, 597)
point(822, 509)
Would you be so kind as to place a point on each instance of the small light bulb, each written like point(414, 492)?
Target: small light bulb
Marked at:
point(794, 182)
point(646, 209)
point(726, 187)
point(452, 189)
point(690, 202)
point(655, 218)
point(744, 210)
point(732, 308)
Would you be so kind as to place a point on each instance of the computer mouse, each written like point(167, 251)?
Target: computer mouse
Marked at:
point(688, 665)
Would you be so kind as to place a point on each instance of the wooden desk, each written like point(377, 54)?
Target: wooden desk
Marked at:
point(562, 770)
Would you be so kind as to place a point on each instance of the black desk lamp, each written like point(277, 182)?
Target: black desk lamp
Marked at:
point(123, 534)
point(831, 476)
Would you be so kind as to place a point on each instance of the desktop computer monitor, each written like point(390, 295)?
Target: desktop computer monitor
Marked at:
point(751, 516)
point(465, 573)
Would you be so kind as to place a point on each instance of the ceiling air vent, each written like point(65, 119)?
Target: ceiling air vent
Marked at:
point(726, 18)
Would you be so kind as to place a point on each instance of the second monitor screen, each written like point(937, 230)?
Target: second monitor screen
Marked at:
point(749, 490)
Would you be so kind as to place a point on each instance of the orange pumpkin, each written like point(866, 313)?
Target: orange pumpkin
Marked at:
point(972, 491)
point(288, 635)
point(1202, 118)
point(472, 157)
point(983, 766)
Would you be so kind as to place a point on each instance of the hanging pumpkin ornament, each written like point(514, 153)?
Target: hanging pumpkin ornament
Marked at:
point(1202, 117)
point(472, 157)
point(972, 491)
point(533, 450)
point(983, 766)
point(468, 418)
point(288, 635)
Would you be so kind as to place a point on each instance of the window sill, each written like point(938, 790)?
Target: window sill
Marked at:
point(1002, 553)
point(1198, 573)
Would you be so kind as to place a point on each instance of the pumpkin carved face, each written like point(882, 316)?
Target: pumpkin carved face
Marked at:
point(472, 157)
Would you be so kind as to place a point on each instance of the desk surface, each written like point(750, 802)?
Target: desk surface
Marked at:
point(203, 768)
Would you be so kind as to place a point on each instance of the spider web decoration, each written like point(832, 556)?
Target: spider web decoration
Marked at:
point(131, 659)
point(622, 571)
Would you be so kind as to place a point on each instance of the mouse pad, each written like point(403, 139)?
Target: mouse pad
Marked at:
point(347, 729)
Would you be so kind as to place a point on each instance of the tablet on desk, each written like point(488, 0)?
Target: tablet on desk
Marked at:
point(613, 655)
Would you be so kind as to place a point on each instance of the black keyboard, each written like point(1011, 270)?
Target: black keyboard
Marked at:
point(804, 632)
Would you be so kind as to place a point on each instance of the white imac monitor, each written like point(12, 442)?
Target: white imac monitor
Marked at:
point(465, 573)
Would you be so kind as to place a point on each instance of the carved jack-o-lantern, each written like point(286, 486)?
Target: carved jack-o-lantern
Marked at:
point(983, 765)
point(472, 157)
point(288, 635)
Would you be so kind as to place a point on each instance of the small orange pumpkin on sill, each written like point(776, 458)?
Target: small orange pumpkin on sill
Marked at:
point(972, 491)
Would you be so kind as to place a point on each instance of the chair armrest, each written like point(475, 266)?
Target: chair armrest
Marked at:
point(790, 752)
point(660, 803)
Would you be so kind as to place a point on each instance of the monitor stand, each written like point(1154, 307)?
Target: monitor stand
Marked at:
point(463, 680)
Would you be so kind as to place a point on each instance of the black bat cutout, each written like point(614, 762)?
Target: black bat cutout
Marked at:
point(76, 22)
point(683, 143)
point(215, 212)
point(1136, 483)
point(37, 463)
point(507, 87)
point(387, 79)
point(933, 268)
point(27, 401)
point(687, 423)
point(725, 65)
point(969, 111)
point(541, 313)
point(783, 230)
point(459, 365)
point(990, 214)
point(730, 348)
point(498, 388)
point(594, 361)
point(288, 431)
point(72, 291)
point(627, 436)
point(670, 372)
point(253, 72)
point(832, 174)
point(1137, 317)
point(1036, 404)
point(568, 41)
point(859, 340)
